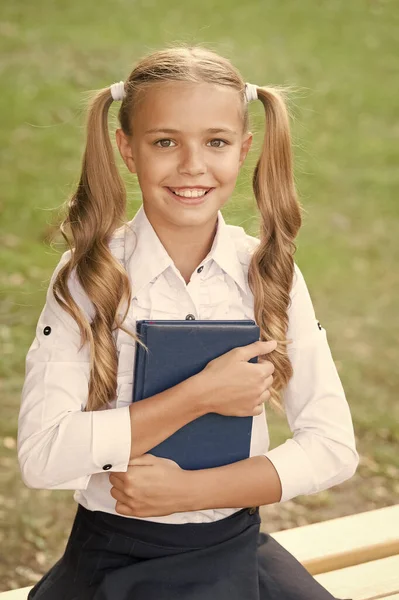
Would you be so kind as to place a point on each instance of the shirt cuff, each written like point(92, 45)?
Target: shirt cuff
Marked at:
point(112, 438)
point(294, 470)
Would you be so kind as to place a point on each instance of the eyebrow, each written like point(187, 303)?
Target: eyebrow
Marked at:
point(210, 130)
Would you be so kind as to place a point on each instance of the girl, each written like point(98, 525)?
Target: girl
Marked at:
point(146, 529)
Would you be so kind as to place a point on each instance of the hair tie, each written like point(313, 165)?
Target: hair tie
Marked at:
point(118, 90)
point(251, 92)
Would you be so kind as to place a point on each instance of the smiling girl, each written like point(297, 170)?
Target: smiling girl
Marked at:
point(146, 529)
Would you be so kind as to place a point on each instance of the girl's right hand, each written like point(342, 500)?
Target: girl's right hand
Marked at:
point(232, 386)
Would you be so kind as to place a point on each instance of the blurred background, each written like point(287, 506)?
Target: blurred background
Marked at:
point(342, 58)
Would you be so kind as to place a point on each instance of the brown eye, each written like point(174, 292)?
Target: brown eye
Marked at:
point(163, 140)
point(219, 140)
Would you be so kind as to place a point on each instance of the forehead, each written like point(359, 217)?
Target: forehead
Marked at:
point(189, 107)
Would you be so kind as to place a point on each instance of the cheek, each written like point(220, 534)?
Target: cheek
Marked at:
point(155, 169)
point(227, 169)
point(151, 173)
point(228, 163)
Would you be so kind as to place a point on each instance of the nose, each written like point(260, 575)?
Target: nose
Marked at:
point(192, 162)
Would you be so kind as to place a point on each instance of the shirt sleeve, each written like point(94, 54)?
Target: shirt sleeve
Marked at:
point(322, 452)
point(59, 445)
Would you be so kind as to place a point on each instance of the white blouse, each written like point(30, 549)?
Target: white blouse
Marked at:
point(62, 447)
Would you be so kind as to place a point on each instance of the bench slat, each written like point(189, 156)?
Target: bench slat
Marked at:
point(20, 594)
point(368, 581)
point(344, 541)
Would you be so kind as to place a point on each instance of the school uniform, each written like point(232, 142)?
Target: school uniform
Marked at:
point(205, 554)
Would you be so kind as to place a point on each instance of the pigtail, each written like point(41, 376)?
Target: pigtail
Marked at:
point(95, 210)
point(271, 270)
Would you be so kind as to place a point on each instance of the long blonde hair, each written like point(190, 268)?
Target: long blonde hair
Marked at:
point(98, 207)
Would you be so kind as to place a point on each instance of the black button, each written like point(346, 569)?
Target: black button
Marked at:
point(199, 269)
point(107, 467)
point(318, 325)
point(252, 510)
point(190, 317)
point(47, 330)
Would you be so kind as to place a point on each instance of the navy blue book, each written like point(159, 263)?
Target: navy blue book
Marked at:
point(179, 349)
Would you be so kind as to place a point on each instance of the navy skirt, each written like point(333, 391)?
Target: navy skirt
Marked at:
point(111, 557)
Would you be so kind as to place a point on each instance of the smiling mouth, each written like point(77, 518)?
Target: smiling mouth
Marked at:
point(181, 196)
point(189, 200)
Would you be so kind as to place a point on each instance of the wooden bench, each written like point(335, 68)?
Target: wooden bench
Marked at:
point(352, 557)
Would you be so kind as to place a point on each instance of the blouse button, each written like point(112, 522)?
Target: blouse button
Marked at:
point(190, 317)
point(318, 325)
point(252, 510)
point(47, 330)
point(107, 467)
point(200, 269)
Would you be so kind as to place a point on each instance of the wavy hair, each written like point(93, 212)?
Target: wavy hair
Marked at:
point(98, 207)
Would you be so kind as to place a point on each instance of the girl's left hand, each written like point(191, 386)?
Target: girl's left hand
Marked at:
point(151, 487)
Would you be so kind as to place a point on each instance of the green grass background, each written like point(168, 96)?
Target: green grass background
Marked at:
point(342, 57)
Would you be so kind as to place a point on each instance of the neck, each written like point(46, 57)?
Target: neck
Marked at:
point(187, 246)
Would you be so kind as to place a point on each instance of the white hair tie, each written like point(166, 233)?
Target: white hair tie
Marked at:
point(118, 90)
point(251, 92)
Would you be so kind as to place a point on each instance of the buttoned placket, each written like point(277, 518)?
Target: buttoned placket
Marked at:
point(190, 293)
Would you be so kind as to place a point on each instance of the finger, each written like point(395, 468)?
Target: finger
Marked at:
point(123, 509)
point(265, 395)
point(258, 410)
point(118, 483)
point(258, 348)
point(269, 382)
point(268, 367)
point(120, 496)
point(145, 459)
point(117, 476)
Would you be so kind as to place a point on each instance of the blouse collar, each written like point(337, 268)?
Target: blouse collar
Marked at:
point(148, 258)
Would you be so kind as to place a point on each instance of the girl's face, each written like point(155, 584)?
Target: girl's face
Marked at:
point(191, 155)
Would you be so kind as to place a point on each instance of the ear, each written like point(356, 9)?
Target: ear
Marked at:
point(245, 146)
point(125, 150)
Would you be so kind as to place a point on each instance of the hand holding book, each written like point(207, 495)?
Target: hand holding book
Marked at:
point(232, 386)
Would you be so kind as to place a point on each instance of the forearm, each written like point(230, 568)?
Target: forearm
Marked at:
point(156, 418)
point(250, 482)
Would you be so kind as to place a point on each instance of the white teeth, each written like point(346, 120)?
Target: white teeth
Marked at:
point(190, 193)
